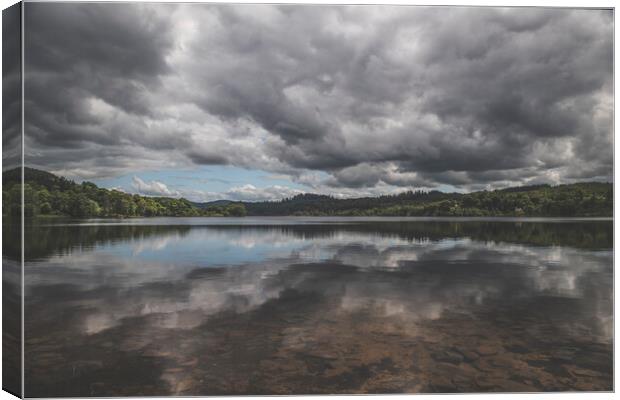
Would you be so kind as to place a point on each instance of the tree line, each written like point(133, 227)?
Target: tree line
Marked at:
point(589, 199)
point(48, 194)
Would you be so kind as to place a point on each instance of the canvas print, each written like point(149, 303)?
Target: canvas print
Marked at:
point(264, 199)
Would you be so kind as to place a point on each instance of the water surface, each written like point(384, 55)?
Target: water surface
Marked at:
point(317, 305)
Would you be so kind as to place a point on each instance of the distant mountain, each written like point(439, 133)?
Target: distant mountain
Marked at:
point(48, 194)
point(215, 203)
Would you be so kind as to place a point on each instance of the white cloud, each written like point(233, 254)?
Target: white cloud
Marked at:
point(153, 188)
point(245, 192)
point(252, 193)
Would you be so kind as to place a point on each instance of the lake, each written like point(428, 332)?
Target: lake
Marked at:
point(217, 306)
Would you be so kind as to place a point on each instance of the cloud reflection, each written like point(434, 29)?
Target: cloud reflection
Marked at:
point(143, 293)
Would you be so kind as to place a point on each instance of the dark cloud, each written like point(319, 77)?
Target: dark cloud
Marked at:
point(80, 54)
point(375, 97)
point(128, 41)
point(11, 87)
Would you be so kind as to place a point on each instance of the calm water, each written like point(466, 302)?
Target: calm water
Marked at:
point(316, 305)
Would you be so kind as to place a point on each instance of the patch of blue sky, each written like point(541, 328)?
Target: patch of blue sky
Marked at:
point(449, 189)
point(218, 178)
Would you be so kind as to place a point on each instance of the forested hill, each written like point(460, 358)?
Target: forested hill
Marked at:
point(48, 194)
point(574, 200)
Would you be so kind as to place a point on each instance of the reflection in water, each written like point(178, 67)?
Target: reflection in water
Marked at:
point(319, 308)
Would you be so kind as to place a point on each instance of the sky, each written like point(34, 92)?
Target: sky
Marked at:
point(261, 102)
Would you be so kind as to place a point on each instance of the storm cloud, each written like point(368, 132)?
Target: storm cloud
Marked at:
point(343, 99)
